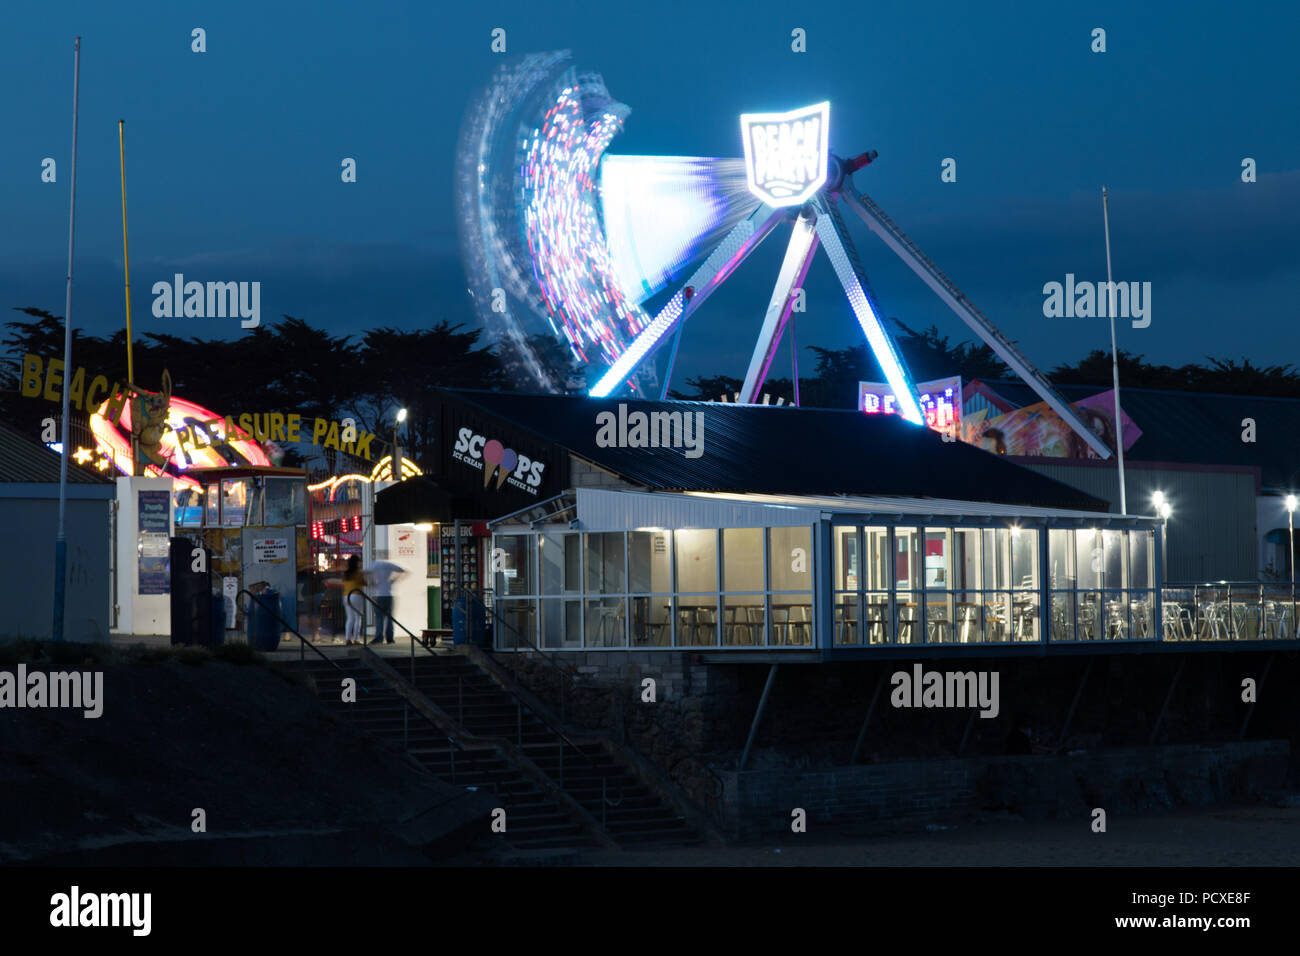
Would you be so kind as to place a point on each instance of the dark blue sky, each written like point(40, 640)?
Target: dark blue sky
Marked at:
point(233, 155)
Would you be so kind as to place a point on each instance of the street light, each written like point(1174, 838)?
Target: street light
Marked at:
point(395, 466)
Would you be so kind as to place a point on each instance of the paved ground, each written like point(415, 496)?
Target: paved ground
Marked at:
point(1243, 836)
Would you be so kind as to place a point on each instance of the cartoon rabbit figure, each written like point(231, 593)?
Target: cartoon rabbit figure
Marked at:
point(153, 421)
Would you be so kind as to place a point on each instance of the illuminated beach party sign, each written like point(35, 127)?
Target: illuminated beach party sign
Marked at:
point(786, 153)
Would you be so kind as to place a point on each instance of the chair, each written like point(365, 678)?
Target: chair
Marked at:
point(754, 619)
point(906, 623)
point(968, 622)
point(995, 620)
point(938, 627)
point(846, 627)
point(875, 621)
point(687, 624)
point(707, 617)
point(801, 623)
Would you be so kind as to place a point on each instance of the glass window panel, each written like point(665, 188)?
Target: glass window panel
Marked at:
point(652, 621)
point(559, 563)
point(605, 562)
point(1024, 611)
point(607, 622)
point(966, 564)
point(1088, 558)
point(697, 560)
point(1060, 558)
point(1113, 559)
point(791, 621)
point(518, 624)
point(285, 501)
point(650, 562)
point(846, 619)
point(234, 501)
point(938, 617)
point(210, 513)
point(937, 553)
point(844, 547)
point(997, 569)
point(1024, 557)
point(515, 574)
point(790, 552)
point(876, 565)
point(999, 617)
point(1062, 617)
point(909, 622)
point(742, 554)
point(561, 621)
point(697, 621)
point(907, 558)
point(1140, 549)
point(188, 507)
point(743, 621)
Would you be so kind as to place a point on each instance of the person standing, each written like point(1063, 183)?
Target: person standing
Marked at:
point(353, 581)
point(381, 575)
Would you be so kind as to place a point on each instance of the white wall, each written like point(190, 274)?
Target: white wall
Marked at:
point(29, 517)
point(411, 590)
point(138, 613)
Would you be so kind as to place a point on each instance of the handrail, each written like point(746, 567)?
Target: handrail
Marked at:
point(557, 730)
point(375, 604)
point(541, 655)
point(292, 630)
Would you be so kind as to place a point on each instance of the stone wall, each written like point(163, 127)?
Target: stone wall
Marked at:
point(890, 796)
point(696, 729)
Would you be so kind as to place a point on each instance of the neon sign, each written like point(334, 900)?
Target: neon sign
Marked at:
point(940, 402)
point(786, 153)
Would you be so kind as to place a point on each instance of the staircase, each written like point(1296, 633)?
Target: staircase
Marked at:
point(630, 812)
point(534, 819)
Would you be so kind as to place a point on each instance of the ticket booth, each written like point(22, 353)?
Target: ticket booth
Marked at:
point(254, 522)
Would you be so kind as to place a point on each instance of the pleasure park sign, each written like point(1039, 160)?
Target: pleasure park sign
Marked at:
point(786, 153)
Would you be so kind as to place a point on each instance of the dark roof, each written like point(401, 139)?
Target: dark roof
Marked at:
point(1198, 428)
point(25, 460)
point(768, 449)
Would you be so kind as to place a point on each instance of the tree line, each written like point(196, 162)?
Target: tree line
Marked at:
point(292, 365)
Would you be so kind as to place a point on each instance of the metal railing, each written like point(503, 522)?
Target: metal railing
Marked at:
point(559, 731)
point(303, 643)
point(381, 614)
point(1230, 611)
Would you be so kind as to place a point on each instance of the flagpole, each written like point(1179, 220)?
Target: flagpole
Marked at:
point(1114, 359)
point(60, 541)
point(126, 254)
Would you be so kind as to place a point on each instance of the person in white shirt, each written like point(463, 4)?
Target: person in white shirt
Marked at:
point(381, 574)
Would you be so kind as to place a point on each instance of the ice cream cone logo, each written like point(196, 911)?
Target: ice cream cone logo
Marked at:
point(498, 460)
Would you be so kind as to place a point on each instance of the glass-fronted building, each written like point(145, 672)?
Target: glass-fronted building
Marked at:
point(627, 569)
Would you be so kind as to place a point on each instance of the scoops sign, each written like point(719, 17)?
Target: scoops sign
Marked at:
point(786, 153)
point(494, 459)
point(940, 402)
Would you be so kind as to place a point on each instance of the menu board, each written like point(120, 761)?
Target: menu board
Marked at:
point(153, 510)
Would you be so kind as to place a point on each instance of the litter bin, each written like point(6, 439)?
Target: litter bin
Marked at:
point(218, 619)
point(467, 621)
point(264, 626)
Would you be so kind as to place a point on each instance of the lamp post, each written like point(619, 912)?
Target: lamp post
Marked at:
point(1161, 507)
point(1291, 557)
point(396, 465)
point(1290, 527)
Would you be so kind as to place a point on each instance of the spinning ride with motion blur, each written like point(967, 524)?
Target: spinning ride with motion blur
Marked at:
point(564, 243)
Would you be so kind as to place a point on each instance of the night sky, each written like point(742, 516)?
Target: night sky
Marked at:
point(233, 155)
